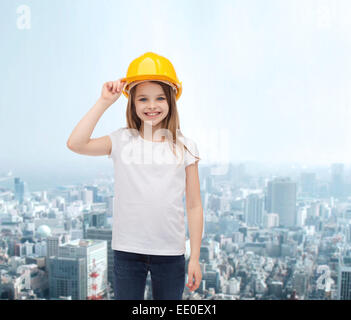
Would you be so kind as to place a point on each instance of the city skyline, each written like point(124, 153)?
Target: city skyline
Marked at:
point(264, 238)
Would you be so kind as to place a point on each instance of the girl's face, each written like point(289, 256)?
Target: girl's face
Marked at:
point(151, 103)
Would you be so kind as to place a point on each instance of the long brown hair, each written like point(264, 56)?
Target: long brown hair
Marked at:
point(171, 122)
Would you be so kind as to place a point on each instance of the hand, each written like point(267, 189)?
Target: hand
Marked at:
point(112, 90)
point(194, 271)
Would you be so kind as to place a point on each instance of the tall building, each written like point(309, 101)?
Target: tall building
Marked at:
point(94, 219)
point(268, 197)
point(283, 200)
point(308, 184)
point(67, 277)
point(19, 190)
point(301, 216)
point(254, 210)
point(109, 205)
point(344, 278)
point(348, 233)
point(95, 190)
point(90, 251)
point(87, 196)
point(104, 234)
point(337, 180)
point(272, 220)
point(212, 280)
point(52, 245)
point(208, 183)
point(98, 219)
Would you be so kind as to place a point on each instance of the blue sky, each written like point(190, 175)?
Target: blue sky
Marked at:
point(272, 78)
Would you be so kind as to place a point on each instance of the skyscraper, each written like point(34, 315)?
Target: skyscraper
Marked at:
point(254, 209)
point(67, 277)
point(63, 278)
point(52, 244)
point(19, 190)
point(344, 278)
point(268, 197)
point(337, 180)
point(283, 200)
point(104, 234)
point(308, 183)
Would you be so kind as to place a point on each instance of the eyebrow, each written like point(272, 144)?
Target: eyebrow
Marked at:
point(144, 95)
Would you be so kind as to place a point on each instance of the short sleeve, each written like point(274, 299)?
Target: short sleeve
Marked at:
point(190, 158)
point(114, 136)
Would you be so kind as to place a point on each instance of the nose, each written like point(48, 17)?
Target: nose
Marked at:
point(152, 108)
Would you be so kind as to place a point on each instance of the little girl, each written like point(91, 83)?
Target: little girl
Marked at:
point(154, 164)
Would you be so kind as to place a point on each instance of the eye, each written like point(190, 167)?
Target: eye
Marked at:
point(142, 99)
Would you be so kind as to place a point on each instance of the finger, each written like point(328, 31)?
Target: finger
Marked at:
point(114, 87)
point(194, 287)
point(110, 86)
point(197, 281)
point(190, 287)
point(118, 86)
point(190, 282)
point(121, 85)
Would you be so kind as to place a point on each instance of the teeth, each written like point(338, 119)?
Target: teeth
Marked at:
point(152, 114)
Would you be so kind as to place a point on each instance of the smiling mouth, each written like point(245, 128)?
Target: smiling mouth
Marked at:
point(152, 114)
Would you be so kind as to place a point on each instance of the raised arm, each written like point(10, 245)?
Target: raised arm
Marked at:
point(80, 140)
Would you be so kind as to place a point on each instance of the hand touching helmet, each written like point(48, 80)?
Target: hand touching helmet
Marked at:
point(112, 90)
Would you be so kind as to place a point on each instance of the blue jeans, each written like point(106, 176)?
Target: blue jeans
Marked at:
point(130, 273)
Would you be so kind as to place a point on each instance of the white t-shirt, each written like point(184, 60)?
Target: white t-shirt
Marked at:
point(149, 186)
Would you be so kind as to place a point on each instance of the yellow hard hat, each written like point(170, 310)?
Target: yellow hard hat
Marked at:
point(151, 66)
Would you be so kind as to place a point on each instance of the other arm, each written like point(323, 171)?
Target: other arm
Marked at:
point(195, 223)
